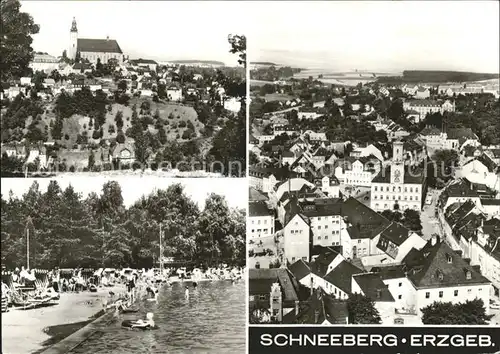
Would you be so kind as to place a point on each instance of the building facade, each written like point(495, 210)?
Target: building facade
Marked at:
point(396, 187)
point(93, 49)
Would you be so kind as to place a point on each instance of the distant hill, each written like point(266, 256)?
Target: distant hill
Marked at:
point(263, 63)
point(435, 76)
point(191, 61)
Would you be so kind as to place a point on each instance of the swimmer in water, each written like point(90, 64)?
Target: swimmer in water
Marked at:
point(149, 322)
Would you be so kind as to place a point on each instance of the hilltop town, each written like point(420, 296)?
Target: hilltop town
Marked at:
point(373, 203)
point(95, 109)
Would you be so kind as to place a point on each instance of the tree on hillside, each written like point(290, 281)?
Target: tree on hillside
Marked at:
point(361, 310)
point(445, 161)
point(469, 313)
point(91, 160)
point(16, 30)
point(119, 120)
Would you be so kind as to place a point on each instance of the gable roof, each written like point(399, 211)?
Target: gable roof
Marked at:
point(440, 266)
point(256, 195)
point(396, 233)
point(322, 305)
point(98, 45)
point(259, 208)
point(261, 280)
point(373, 287)
point(299, 269)
point(321, 263)
point(341, 276)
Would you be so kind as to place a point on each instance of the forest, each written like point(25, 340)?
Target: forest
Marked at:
point(67, 229)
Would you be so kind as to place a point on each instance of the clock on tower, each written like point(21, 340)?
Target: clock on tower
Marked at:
point(397, 173)
point(397, 176)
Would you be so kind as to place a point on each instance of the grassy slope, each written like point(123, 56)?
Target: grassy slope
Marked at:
point(76, 123)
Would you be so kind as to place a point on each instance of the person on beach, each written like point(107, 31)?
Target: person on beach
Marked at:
point(56, 277)
point(148, 322)
point(186, 293)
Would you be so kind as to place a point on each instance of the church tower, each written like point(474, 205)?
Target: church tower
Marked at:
point(73, 40)
point(397, 166)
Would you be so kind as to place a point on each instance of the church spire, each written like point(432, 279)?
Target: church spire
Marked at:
point(73, 26)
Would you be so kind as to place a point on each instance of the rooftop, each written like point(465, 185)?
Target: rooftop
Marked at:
point(261, 280)
point(373, 287)
point(98, 45)
point(439, 266)
point(260, 208)
point(341, 276)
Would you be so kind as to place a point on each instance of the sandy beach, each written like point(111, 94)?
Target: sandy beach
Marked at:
point(24, 331)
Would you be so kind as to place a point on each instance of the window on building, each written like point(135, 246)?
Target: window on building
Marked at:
point(441, 294)
point(427, 294)
point(455, 293)
point(359, 241)
point(293, 259)
point(400, 284)
point(468, 275)
point(326, 237)
point(449, 259)
point(400, 297)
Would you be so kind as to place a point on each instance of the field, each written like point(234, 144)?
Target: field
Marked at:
point(259, 83)
point(278, 97)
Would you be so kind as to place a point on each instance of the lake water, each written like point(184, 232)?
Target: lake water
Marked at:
point(211, 321)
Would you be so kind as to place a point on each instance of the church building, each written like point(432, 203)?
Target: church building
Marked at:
point(399, 186)
point(93, 49)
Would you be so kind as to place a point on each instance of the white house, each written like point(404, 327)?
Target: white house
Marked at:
point(260, 221)
point(297, 239)
point(174, 94)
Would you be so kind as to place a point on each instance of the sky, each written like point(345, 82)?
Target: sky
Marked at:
point(234, 189)
point(159, 30)
point(388, 36)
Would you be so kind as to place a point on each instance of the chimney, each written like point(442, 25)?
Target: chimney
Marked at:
point(434, 240)
point(296, 307)
point(477, 268)
point(312, 288)
point(316, 316)
point(467, 260)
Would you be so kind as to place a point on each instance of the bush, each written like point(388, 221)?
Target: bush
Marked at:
point(96, 134)
point(177, 136)
point(72, 168)
point(66, 136)
point(188, 133)
point(182, 124)
point(111, 129)
point(120, 137)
